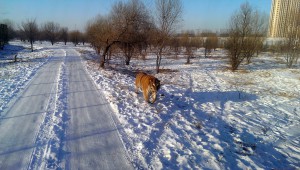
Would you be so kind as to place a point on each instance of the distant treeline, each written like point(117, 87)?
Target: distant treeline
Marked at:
point(3, 35)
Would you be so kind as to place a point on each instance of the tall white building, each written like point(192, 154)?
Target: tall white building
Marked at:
point(281, 15)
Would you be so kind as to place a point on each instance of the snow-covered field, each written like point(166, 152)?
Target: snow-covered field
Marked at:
point(15, 75)
point(205, 116)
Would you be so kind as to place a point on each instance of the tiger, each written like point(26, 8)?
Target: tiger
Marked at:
point(148, 84)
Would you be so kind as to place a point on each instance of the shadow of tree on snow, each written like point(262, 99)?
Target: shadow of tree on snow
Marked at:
point(239, 146)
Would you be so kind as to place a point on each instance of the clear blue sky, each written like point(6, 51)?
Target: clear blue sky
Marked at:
point(197, 14)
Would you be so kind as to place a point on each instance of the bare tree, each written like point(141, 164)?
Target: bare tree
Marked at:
point(99, 32)
point(132, 22)
point(186, 42)
point(168, 15)
point(175, 44)
point(74, 37)
point(11, 32)
point(290, 46)
point(82, 38)
point(51, 31)
point(64, 35)
point(246, 30)
point(30, 31)
point(130, 28)
point(125, 27)
point(3, 35)
point(254, 42)
point(197, 42)
point(210, 42)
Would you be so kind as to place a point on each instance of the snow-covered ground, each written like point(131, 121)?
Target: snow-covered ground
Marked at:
point(51, 121)
point(207, 117)
point(15, 75)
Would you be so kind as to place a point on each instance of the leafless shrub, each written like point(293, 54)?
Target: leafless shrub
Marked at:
point(51, 31)
point(11, 32)
point(197, 42)
point(187, 44)
point(246, 30)
point(29, 30)
point(133, 22)
point(290, 46)
point(210, 43)
point(99, 32)
point(75, 37)
point(126, 27)
point(168, 14)
point(64, 35)
point(175, 45)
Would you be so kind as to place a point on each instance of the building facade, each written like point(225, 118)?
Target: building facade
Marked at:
point(282, 17)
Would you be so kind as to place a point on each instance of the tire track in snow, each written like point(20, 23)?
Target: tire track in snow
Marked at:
point(54, 153)
point(48, 153)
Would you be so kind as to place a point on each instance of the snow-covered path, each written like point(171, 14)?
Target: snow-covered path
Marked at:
point(92, 137)
point(60, 121)
point(21, 121)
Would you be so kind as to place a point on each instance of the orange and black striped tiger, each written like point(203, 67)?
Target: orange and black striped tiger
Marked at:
point(148, 84)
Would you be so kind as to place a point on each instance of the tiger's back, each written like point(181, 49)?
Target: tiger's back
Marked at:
point(148, 84)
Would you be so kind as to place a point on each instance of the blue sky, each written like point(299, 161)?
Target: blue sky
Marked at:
point(197, 14)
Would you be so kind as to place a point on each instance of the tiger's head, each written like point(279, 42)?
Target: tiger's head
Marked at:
point(154, 84)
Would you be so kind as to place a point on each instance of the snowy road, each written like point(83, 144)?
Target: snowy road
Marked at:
point(60, 120)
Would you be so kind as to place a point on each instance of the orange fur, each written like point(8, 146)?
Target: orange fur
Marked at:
point(148, 84)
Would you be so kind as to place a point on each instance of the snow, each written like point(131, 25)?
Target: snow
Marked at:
point(205, 116)
point(52, 130)
point(15, 76)
point(52, 122)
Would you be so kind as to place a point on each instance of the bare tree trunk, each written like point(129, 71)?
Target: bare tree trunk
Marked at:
point(158, 59)
point(103, 58)
point(188, 60)
point(16, 57)
point(129, 49)
point(31, 42)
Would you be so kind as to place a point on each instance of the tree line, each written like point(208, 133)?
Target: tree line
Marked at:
point(30, 31)
point(133, 30)
point(130, 29)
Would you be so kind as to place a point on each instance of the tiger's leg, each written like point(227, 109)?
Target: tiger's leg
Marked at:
point(136, 87)
point(146, 95)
